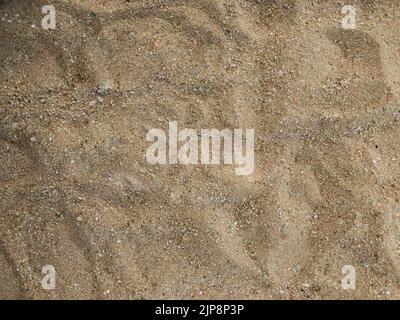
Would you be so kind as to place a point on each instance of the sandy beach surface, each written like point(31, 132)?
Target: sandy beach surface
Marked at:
point(76, 190)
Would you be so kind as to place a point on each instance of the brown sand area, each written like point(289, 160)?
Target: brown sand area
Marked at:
point(76, 191)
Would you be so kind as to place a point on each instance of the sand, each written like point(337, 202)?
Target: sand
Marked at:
point(77, 193)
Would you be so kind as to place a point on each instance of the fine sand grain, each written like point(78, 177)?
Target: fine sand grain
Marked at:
point(77, 193)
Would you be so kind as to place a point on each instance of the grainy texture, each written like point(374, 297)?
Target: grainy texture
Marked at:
point(76, 191)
